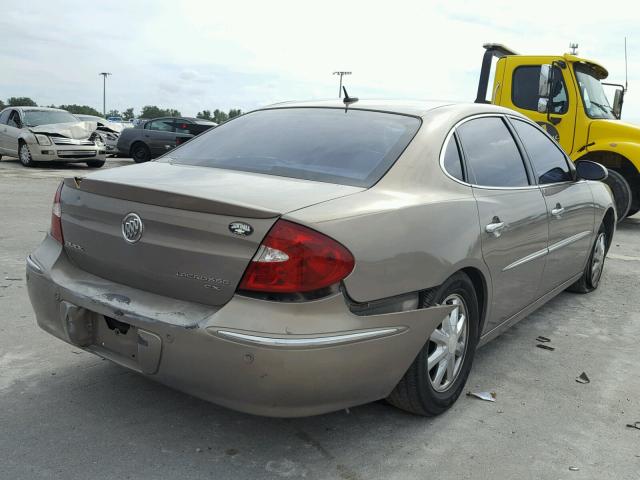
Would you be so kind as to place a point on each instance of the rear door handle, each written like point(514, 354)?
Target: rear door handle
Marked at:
point(558, 211)
point(495, 228)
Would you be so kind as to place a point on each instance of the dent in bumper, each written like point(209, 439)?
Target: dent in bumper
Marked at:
point(266, 358)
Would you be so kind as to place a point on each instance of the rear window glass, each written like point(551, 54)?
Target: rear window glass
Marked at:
point(356, 147)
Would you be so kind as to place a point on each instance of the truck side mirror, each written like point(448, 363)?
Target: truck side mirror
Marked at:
point(543, 105)
point(544, 88)
point(544, 83)
point(618, 99)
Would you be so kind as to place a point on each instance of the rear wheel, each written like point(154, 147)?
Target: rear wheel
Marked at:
point(438, 374)
point(95, 163)
point(140, 153)
point(25, 155)
point(621, 193)
point(590, 278)
point(632, 212)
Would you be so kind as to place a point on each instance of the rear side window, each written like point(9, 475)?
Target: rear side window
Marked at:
point(493, 159)
point(549, 163)
point(164, 125)
point(524, 93)
point(356, 147)
point(452, 160)
point(4, 116)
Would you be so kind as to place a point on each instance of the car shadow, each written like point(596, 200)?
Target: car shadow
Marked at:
point(101, 410)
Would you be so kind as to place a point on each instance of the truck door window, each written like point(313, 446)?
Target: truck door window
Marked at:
point(524, 91)
point(492, 157)
point(549, 163)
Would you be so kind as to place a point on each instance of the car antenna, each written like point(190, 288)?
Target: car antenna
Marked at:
point(347, 99)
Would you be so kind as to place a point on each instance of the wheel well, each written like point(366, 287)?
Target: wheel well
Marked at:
point(609, 225)
point(614, 161)
point(480, 285)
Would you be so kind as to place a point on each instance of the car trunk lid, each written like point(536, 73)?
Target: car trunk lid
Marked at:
point(191, 247)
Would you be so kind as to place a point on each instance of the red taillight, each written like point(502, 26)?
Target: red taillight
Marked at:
point(293, 258)
point(56, 221)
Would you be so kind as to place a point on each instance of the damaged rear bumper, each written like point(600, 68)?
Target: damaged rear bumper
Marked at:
point(266, 358)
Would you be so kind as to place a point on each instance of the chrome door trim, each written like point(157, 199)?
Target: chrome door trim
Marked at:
point(528, 258)
point(547, 250)
point(467, 184)
point(569, 240)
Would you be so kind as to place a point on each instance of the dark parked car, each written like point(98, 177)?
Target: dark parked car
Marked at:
point(156, 137)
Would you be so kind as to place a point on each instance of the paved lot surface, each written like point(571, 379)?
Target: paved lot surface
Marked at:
point(66, 414)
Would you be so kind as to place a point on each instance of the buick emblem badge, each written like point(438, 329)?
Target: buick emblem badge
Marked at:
point(132, 227)
point(240, 228)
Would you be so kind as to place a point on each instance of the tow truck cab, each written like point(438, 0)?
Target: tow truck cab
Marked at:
point(564, 94)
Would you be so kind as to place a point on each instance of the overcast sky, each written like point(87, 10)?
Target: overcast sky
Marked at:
point(194, 55)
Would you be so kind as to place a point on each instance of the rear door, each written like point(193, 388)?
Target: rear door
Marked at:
point(512, 211)
point(159, 135)
point(569, 203)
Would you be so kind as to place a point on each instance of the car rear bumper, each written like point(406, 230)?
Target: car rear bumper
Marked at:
point(266, 358)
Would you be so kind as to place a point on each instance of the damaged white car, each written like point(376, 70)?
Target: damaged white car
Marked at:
point(109, 131)
point(37, 134)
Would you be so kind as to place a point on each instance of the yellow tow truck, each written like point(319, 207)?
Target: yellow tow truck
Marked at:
point(564, 94)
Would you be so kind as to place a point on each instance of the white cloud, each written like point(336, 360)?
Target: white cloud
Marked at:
point(204, 54)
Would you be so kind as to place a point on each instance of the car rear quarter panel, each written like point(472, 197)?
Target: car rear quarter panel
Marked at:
point(412, 230)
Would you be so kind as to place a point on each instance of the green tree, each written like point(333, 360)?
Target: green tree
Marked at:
point(128, 114)
point(151, 111)
point(205, 114)
point(234, 112)
point(81, 109)
point(219, 116)
point(113, 113)
point(2, 105)
point(21, 102)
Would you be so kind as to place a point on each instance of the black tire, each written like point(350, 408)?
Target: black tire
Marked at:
point(590, 280)
point(632, 211)
point(95, 163)
point(415, 393)
point(24, 155)
point(140, 153)
point(621, 193)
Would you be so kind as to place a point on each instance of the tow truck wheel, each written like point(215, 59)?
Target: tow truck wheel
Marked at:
point(621, 193)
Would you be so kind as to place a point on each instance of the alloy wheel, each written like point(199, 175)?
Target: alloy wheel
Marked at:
point(25, 156)
point(448, 345)
point(597, 260)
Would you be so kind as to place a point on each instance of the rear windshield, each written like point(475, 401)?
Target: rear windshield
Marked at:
point(356, 147)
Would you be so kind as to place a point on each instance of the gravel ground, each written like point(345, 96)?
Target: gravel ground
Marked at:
point(67, 414)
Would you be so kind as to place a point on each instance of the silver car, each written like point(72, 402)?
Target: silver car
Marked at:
point(36, 134)
point(309, 257)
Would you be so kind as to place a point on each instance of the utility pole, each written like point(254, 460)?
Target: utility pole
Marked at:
point(340, 87)
point(104, 92)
